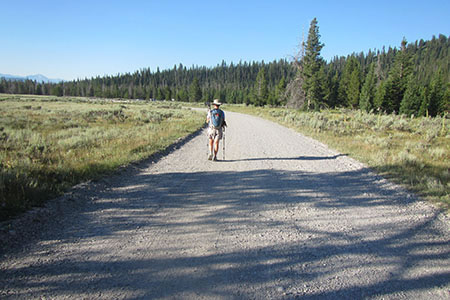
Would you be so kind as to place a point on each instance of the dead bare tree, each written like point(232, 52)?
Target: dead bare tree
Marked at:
point(294, 93)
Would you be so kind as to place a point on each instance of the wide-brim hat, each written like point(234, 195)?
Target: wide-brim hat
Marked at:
point(216, 102)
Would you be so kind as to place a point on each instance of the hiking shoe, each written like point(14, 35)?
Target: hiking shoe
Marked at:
point(210, 157)
point(215, 158)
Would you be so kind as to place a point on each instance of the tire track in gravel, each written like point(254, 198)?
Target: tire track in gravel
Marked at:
point(282, 217)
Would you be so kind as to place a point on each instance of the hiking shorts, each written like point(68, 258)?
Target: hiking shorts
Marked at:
point(214, 133)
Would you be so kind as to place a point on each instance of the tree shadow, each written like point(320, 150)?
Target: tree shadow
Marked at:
point(305, 158)
point(264, 233)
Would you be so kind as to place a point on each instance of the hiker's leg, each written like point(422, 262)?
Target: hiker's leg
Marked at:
point(217, 139)
point(216, 146)
point(211, 142)
point(210, 148)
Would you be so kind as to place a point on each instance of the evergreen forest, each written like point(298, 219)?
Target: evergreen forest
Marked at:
point(413, 79)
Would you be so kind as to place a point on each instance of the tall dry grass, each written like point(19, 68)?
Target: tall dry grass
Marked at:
point(48, 144)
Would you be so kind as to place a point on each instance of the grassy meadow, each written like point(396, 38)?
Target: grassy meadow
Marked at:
point(414, 152)
point(48, 144)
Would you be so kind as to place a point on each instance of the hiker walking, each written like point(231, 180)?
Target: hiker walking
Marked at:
point(216, 121)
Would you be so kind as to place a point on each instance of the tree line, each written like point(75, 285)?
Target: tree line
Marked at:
point(232, 83)
point(413, 80)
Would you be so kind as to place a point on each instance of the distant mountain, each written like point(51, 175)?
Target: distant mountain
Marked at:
point(37, 77)
point(11, 77)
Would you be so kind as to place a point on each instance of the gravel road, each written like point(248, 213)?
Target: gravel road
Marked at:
point(282, 217)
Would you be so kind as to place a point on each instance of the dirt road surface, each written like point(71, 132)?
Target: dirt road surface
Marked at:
point(282, 217)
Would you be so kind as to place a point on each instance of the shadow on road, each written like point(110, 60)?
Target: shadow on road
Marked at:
point(306, 158)
point(380, 256)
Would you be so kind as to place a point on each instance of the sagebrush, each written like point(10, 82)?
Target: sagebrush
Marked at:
point(48, 144)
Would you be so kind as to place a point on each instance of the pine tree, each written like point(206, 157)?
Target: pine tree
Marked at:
point(168, 93)
point(436, 95)
point(444, 107)
point(280, 91)
point(423, 110)
point(148, 96)
point(57, 91)
point(182, 95)
point(380, 96)
point(260, 90)
point(313, 72)
point(348, 74)
point(366, 100)
point(412, 98)
point(354, 89)
point(160, 94)
point(331, 94)
point(38, 89)
point(246, 98)
point(397, 80)
point(91, 91)
point(234, 96)
point(195, 93)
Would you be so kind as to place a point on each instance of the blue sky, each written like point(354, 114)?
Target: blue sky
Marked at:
point(77, 39)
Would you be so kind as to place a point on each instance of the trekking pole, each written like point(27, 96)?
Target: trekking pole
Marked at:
point(223, 144)
point(208, 104)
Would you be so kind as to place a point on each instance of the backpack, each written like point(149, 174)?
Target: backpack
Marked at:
point(217, 118)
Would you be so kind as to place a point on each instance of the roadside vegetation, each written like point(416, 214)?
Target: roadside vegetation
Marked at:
point(49, 144)
point(414, 152)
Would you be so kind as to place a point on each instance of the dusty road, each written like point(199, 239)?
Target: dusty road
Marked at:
point(283, 217)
